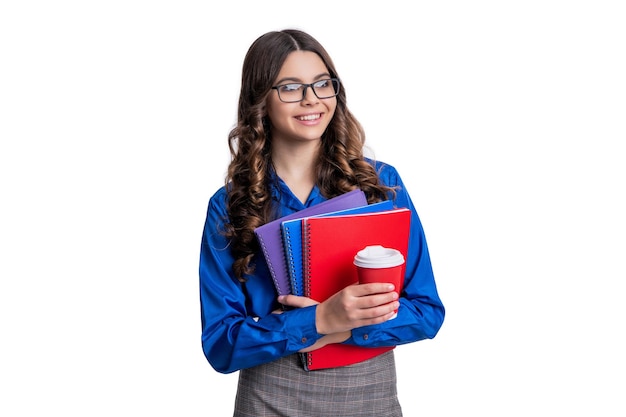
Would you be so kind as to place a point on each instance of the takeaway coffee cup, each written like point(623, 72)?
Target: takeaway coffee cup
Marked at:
point(377, 263)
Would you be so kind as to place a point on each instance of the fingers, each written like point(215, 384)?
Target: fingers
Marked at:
point(355, 306)
point(296, 301)
point(374, 314)
point(370, 288)
point(331, 338)
point(344, 311)
point(370, 296)
point(374, 300)
point(329, 320)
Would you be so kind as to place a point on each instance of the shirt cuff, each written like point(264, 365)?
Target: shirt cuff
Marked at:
point(360, 336)
point(301, 329)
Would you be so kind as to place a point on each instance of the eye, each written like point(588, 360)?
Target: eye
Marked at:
point(322, 84)
point(290, 87)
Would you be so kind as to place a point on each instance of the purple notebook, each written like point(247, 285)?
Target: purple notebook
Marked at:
point(271, 241)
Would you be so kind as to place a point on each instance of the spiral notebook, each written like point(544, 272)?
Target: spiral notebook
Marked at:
point(330, 243)
point(271, 242)
point(292, 241)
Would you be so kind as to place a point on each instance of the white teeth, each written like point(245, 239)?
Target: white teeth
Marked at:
point(309, 117)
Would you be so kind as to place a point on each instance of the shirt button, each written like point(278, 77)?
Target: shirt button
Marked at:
point(365, 336)
point(303, 340)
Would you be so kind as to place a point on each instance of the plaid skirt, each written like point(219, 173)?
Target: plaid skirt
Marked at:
point(284, 389)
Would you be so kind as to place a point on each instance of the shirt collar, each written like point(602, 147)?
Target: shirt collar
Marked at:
point(285, 199)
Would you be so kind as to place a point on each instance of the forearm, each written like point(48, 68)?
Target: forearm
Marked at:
point(242, 343)
point(415, 321)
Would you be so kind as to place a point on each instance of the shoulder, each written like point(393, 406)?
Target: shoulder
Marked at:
point(386, 172)
point(217, 202)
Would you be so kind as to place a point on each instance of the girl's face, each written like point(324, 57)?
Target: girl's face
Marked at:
point(304, 120)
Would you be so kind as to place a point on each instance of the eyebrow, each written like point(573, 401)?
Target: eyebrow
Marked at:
point(298, 80)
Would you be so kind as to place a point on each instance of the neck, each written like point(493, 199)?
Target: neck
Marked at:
point(296, 167)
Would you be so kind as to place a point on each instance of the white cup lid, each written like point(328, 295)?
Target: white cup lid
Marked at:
point(377, 256)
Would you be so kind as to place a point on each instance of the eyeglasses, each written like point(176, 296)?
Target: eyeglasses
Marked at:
point(295, 92)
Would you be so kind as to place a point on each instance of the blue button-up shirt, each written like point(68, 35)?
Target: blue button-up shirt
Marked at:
point(238, 328)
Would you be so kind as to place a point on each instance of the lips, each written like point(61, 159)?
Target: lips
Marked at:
point(309, 117)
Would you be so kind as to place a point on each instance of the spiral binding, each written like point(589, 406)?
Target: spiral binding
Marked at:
point(307, 275)
point(291, 266)
point(307, 264)
point(269, 264)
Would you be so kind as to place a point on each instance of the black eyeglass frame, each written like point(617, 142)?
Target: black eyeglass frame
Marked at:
point(306, 86)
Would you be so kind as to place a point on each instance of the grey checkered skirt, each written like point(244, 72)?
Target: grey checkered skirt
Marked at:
point(284, 389)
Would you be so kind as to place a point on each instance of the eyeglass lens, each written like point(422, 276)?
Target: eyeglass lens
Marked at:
point(295, 92)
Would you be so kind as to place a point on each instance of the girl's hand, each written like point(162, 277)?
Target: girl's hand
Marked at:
point(296, 301)
point(327, 339)
point(356, 306)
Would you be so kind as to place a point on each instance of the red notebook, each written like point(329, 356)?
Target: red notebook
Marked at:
point(329, 246)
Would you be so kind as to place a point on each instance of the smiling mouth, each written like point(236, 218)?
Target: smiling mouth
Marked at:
point(309, 117)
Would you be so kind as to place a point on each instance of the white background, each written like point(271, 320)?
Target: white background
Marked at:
point(506, 120)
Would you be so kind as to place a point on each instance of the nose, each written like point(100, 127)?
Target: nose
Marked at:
point(308, 95)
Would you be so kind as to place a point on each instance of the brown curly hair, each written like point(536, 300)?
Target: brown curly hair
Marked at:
point(340, 168)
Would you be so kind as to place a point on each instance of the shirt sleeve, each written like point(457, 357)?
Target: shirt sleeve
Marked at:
point(421, 311)
point(239, 331)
